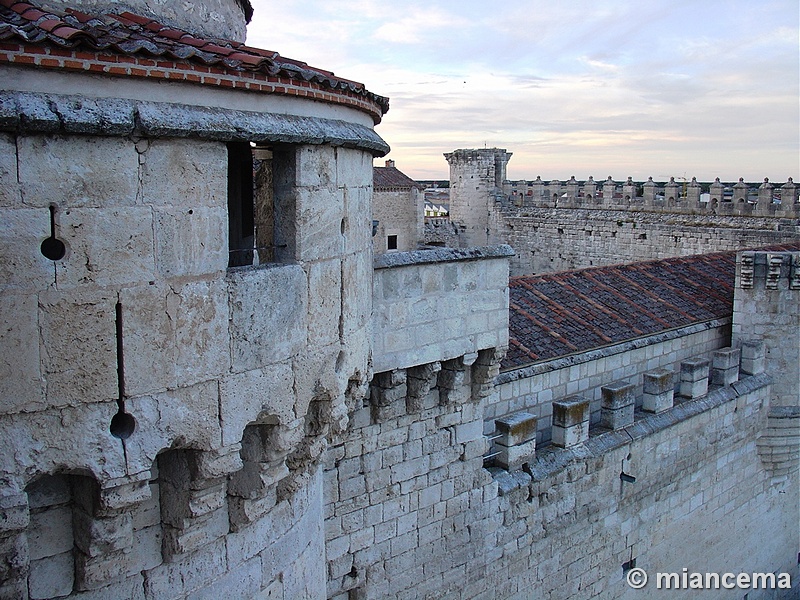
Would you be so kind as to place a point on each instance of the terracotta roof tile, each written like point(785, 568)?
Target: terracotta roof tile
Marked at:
point(135, 35)
point(557, 314)
point(392, 177)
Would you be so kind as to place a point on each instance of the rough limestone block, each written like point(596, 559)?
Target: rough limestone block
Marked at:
point(9, 187)
point(694, 377)
point(189, 414)
point(319, 217)
point(724, 376)
point(618, 395)
point(726, 358)
point(14, 513)
point(570, 411)
point(184, 172)
point(659, 390)
point(516, 429)
point(21, 383)
point(616, 418)
point(358, 221)
point(201, 331)
point(94, 572)
point(353, 168)
point(89, 171)
point(725, 366)
point(23, 267)
point(753, 359)
point(267, 315)
point(512, 458)
point(78, 346)
point(50, 532)
point(191, 241)
point(324, 311)
point(106, 246)
point(52, 577)
point(246, 396)
point(148, 334)
point(356, 305)
point(146, 551)
point(566, 437)
point(96, 536)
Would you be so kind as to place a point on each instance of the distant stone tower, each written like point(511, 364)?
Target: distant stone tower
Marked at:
point(476, 181)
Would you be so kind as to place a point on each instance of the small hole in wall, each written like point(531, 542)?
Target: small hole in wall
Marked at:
point(343, 226)
point(122, 425)
point(191, 212)
point(53, 248)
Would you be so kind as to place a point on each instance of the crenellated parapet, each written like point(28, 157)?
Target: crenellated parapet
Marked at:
point(686, 196)
point(666, 395)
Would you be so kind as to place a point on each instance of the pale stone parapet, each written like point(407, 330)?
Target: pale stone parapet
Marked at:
point(694, 377)
point(725, 366)
point(753, 358)
point(659, 389)
point(617, 405)
point(570, 421)
point(516, 444)
point(436, 305)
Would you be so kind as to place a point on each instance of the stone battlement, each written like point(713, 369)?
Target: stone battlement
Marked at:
point(741, 199)
point(621, 408)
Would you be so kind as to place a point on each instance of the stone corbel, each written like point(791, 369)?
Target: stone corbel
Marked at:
point(774, 263)
point(746, 270)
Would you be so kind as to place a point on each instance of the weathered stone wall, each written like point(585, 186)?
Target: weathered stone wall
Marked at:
point(558, 239)
point(532, 389)
point(233, 377)
point(766, 303)
point(412, 513)
point(434, 305)
point(702, 500)
point(476, 179)
point(554, 226)
point(398, 212)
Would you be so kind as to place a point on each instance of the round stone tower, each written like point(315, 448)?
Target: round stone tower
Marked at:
point(225, 19)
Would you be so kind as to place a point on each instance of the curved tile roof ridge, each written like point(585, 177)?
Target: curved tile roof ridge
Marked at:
point(134, 35)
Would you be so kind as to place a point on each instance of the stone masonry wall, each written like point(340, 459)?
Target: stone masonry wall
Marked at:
point(398, 212)
point(559, 239)
point(532, 389)
point(230, 379)
point(435, 305)
point(412, 513)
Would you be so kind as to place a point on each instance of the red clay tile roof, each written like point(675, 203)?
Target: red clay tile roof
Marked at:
point(130, 35)
point(392, 177)
point(558, 314)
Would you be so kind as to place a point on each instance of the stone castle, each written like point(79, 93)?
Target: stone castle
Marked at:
point(214, 382)
point(558, 225)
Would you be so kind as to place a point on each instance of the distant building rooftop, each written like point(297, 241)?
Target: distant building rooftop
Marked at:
point(390, 177)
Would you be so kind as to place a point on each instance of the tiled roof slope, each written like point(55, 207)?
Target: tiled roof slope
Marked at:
point(117, 37)
point(392, 177)
point(563, 313)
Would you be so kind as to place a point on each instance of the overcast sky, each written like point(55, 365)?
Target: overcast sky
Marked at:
point(705, 88)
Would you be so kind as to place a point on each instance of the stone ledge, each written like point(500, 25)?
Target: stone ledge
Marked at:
point(440, 255)
point(550, 460)
point(28, 112)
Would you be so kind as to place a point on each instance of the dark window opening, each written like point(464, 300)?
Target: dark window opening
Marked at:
point(391, 242)
point(241, 221)
point(261, 190)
